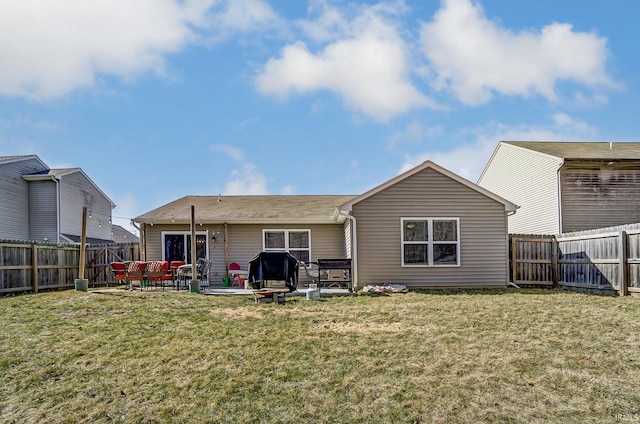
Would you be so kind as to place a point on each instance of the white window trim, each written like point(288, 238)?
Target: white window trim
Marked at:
point(286, 239)
point(430, 243)
point(185, 233)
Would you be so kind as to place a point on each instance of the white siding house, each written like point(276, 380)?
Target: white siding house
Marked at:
point(566, 186)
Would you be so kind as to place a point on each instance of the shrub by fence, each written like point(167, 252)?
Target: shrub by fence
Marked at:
point(35, 266)
point(605, 260)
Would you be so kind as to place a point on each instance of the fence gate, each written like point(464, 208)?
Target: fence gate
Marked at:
point(533, 260)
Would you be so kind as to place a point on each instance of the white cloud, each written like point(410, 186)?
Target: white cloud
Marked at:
point(233, 152)
point(246, 180)
point(468, 160)
point(414, 133)
point(366, 63)
point(477, 58)
point(242, 16)
point(49, 49)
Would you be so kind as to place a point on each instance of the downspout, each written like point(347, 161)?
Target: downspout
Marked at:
point(57, 208)
point(354, 248)
point(559, 184)
point(143, 240)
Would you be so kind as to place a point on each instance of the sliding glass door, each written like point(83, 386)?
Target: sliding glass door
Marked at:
point(176, 246)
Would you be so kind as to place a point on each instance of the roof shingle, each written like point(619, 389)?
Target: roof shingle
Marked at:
point(248, 209)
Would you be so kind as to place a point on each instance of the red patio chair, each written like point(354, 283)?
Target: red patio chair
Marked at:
point(135, 271)
point(174, 266)
point(236, 278)
point(158, 272)
point(118, 269)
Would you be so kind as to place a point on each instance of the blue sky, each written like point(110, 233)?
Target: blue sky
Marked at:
point(158, 99)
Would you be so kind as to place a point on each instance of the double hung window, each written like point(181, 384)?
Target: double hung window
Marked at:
point(296, 242)
point(430, 241)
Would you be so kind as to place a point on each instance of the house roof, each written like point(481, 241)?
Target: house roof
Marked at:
point(583, 150)
point(62, 172)
point(257, 209)
point(346, 207)
point(17, 158)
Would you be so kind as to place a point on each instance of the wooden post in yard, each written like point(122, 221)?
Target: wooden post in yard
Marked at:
point(194, 275)
point(623, 271)
point(226, 252)
point(34, 266)
point(514, 265)
point(554, 262)
point(83, 241)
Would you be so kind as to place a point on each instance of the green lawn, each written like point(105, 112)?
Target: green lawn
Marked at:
point(516, 356)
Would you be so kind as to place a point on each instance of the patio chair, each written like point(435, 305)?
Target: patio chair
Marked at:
point(135, 271)
point(118, 269)
point(237, 274)
point(203, 268)
point(158, 273)
point(174, 267)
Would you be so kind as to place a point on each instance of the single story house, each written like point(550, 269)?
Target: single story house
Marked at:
point(425, 228)
point(566, 186)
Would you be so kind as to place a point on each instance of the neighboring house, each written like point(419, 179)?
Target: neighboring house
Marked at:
point(428, 227)
point(42, 204)
point(121, 235)
point(566, 186)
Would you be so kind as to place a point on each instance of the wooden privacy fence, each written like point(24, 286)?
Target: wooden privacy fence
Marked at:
point(604, 261)
point(34, 266)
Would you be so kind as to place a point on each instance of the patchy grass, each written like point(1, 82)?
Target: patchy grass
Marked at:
point(508, 356)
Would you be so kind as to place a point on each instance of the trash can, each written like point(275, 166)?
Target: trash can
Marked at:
point(226, 282)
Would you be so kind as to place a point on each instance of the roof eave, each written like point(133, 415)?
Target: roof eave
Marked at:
point(239, 221)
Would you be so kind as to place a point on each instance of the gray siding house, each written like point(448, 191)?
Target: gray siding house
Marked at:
point(38, 203)
point(566, 186)
point(428, 227)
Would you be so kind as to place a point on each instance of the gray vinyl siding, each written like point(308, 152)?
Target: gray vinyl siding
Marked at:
point(43, 211)
point(530, 180)
point(348, 240)
point(14, 198)
point(598, 195)
point(245, 241)
point(430, 194)
point(77, 192)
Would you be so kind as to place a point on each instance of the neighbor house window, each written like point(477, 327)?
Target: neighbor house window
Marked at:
point(430, 241)
point(296, 242)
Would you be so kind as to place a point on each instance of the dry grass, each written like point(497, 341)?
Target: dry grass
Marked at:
point(439, 357)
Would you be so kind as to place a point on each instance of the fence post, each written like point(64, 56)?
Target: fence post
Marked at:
point(554, 262)
point(514, 265)
point(623, 270)
point(34, 266)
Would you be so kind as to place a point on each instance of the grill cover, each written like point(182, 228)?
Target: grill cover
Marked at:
point(273, 266)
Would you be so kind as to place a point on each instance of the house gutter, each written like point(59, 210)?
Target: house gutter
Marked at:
point(57, 208)
point(354, 248)
point(143, 239)
point(559, 194)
